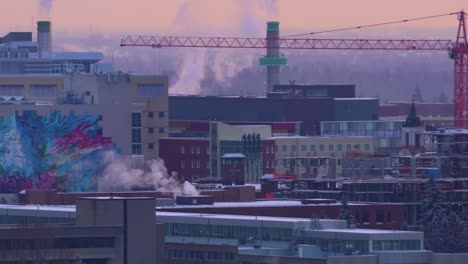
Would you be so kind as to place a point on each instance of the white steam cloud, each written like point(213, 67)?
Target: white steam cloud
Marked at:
point(121, 175)
point(224, 65)
point(45, 8)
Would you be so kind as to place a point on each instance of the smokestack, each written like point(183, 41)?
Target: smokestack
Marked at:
point(44, 39)
point(273, 60)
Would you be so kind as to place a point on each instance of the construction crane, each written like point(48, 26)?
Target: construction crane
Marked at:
point(458, 51)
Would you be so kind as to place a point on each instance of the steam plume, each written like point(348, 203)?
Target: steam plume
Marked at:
point(198, 65)
point(45, 8)
point(120, 175)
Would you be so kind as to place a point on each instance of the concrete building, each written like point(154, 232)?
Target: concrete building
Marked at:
point(100, 231)
point(226, 139)
point(296, 155)
point(129, 232)
point(19, 54)
point(313, 90)
point(316, 156)
point(386, 133)
point(308, 110)
point(201, 129)
point(141, 99)
point(147, 96)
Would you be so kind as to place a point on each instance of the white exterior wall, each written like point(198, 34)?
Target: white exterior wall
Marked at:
point(412, 132)
point(326, 147)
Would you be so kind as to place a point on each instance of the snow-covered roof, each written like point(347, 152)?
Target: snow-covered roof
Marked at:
point(233, 155)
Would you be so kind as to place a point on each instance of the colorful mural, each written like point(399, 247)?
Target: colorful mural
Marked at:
point(54, 151)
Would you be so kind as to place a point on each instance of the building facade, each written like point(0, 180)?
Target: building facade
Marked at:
point(386, 134)
point(189, 158)
point(142, 97)
point(126, 233)
point(316, 156)
point(19, 54)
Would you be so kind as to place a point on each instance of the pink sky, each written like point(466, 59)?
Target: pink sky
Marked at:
point(208, 16)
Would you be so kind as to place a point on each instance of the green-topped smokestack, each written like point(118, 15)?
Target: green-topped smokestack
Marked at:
point(272, 60)
point(44, 39)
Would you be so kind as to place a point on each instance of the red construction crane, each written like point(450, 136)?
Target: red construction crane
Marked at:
point(458, 50)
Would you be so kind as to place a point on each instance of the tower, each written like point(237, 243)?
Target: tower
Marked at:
point(273, 60)
point(44, 39)
point(412, 130)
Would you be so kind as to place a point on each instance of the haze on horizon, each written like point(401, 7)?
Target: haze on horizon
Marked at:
point(90, 25)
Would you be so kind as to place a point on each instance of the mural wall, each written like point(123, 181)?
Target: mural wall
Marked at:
point(54, 151)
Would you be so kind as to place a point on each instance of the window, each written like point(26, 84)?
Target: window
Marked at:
point(193, 149)
point(150, 130)
point(293, 148)
point(339, 147)
point(151, 146)
point(43, 91)
point(303, 148)
point(198, 149)
point(151, 90)
point(378, 245)
point(276, 148)
point(161, 130)
point(365, 217)
point(182, 149)
point(267, 164)
point(267, 150)
point(366, 147)
point(198, 164)
point(150, 114)
point(348, 147)
point(284, 148)
point(271, 149)
point(379, 216)
point(312, 147)
point(322, 148)
point(193, 164)
point(11, 90)
point(317, 92)
point(136, 119)
point(161, 115)
point(136, 149)
point(330, 147)
point(136, 135)
point(182, 164)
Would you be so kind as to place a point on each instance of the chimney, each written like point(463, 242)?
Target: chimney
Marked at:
point(44, 39)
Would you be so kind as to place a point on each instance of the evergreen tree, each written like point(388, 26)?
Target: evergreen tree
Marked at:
point(464, 221)
point(418, 97)
point(433, 216)
point(454, 240)
point(345, 214)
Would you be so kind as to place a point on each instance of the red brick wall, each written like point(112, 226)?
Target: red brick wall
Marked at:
point(268, 149)
point(194, 150)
